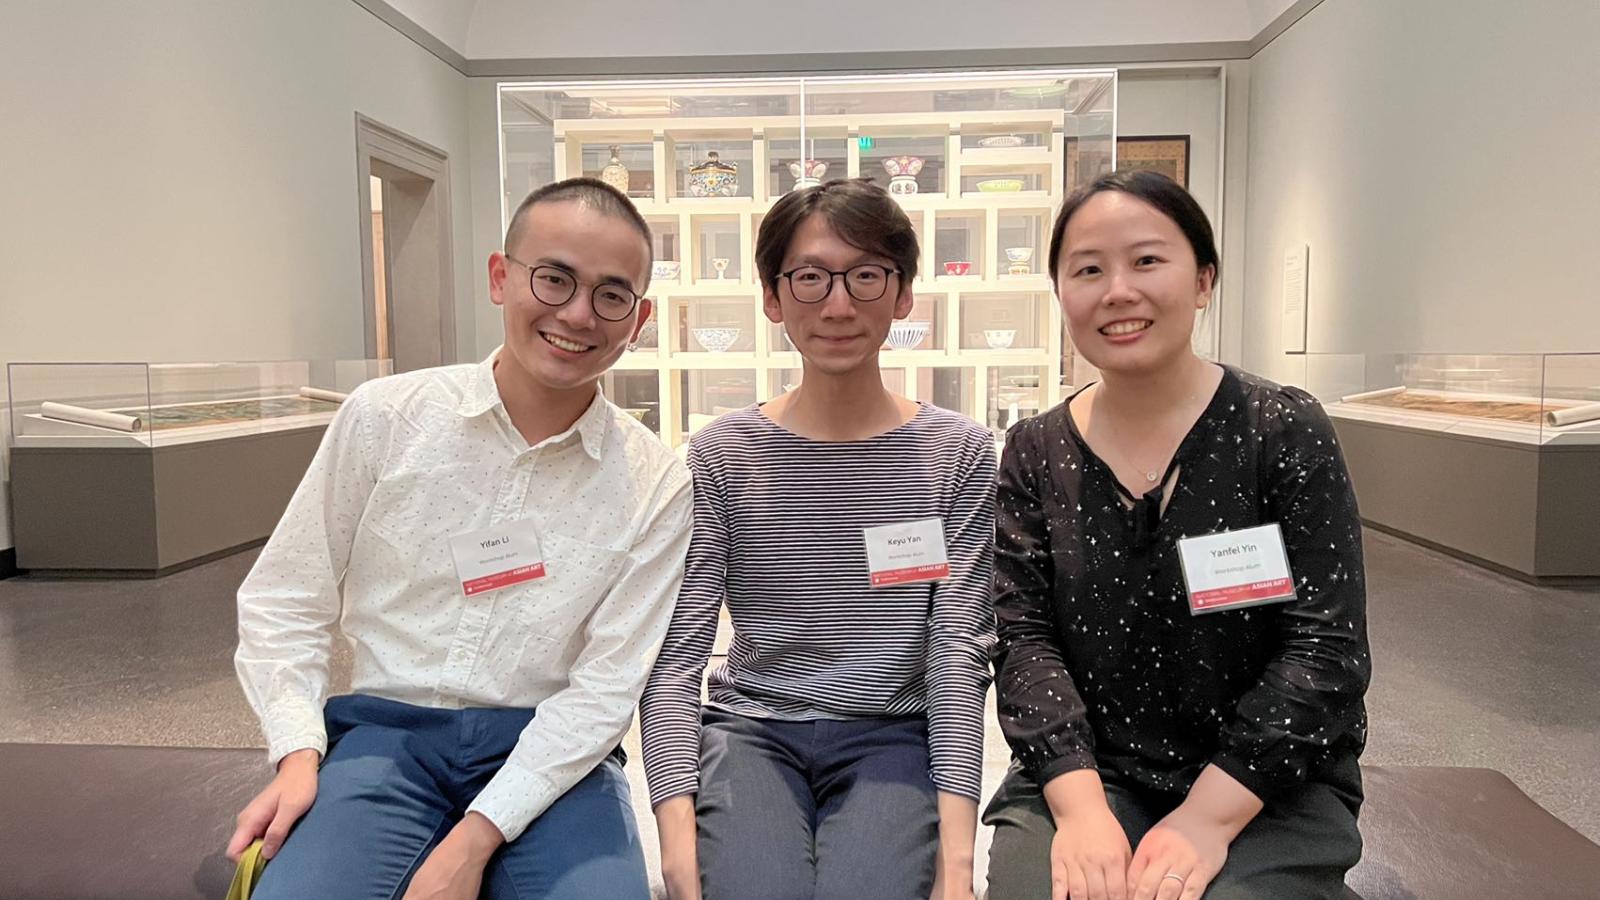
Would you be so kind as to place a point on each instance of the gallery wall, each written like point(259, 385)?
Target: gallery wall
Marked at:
point(181, 177)
point(1440, 160)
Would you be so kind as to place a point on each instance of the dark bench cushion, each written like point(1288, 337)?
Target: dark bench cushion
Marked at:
point(71, 815)
point(160, 816)
point(1450, 833)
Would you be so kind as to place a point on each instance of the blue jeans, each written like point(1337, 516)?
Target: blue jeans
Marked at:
point(398, 777)
point(815, 810)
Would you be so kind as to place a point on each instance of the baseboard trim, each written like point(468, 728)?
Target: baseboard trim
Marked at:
point(1555, 581)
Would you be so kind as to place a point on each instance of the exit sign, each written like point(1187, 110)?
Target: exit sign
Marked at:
point(865, 143)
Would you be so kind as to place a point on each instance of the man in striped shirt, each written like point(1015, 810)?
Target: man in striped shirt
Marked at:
point(849, 532)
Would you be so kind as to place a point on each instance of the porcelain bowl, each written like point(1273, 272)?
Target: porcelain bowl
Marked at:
point(716, 340)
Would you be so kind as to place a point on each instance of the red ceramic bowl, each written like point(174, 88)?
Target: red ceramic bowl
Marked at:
point(957, 268)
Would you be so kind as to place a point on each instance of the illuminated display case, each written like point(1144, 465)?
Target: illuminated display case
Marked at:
point(978, 163)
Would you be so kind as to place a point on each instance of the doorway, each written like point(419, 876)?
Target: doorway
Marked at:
point(408, 274)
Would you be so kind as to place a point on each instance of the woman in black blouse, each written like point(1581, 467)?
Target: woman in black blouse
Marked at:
point(1172, 743)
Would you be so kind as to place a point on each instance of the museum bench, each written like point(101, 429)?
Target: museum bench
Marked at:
point(150, 823)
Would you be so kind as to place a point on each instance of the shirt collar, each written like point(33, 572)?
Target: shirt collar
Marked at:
point(482, 395)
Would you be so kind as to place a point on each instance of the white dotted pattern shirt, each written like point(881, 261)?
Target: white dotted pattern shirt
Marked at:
point(408, 462)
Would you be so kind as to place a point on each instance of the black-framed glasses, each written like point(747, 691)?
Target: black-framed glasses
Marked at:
point(864, 283)
point(555, 286)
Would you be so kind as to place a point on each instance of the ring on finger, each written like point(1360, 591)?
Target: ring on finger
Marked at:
point(1175, 877)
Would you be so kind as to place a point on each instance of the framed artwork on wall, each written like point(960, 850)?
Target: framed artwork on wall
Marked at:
point(1167, 154)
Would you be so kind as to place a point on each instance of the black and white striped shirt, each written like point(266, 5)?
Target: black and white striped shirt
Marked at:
point(778, 536)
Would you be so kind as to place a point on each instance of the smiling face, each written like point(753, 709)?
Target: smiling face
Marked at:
point(568, 347)
point(1128, 284)
point(837, 334)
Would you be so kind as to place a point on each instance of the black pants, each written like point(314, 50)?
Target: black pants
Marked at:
point(1298, 848)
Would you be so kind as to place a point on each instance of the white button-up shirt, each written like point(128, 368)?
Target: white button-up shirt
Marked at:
point(412, 460)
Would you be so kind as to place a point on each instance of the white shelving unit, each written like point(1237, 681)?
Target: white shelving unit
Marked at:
point(953, 366)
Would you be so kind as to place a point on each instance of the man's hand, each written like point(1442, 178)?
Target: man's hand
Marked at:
point(454, 870)
point(275, 810)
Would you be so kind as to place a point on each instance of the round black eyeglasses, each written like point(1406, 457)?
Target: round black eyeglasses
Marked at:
point(864, 283)
point(555, 286)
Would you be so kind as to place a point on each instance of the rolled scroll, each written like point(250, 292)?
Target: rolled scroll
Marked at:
point(1370, 395)
point(64, 412)
point(1573, 415)
point(311, 393)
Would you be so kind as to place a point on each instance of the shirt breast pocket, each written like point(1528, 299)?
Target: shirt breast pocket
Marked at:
point(578, 575)
point(412, 508)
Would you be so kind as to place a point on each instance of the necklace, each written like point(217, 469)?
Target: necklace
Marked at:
point(1151, 476)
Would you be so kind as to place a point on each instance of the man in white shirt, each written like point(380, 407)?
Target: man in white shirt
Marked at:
point(502, 548)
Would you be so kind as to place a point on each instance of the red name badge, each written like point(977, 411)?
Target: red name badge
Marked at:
point(1233, 569)
point(496, 558)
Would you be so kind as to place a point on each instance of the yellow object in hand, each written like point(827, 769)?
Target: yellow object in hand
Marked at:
point(251, 863)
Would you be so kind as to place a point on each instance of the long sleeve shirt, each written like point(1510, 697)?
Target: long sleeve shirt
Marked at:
point(1101, 663)
point(778, 537)
point(413, 460)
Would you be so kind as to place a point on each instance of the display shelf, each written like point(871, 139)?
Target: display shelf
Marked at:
point(1007, 199)
point(1031, 157)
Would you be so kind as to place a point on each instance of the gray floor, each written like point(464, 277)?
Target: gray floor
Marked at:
point(1472, 669)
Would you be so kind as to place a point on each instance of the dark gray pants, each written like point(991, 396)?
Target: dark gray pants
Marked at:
point(1298, 848)
point(820, 810)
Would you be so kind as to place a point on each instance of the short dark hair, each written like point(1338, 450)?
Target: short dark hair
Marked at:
point(591, 192)
point(1156, 189)
point(861, 213)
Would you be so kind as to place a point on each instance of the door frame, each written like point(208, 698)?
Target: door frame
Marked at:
point(393, 148)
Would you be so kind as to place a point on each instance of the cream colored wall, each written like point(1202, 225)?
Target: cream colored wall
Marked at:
point(181, 177)
point(1443, 163)
point(1166, 101)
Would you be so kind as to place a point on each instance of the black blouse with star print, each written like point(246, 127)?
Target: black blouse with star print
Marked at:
point(1100, 662)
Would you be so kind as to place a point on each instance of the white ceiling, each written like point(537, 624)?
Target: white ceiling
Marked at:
point(538, 29)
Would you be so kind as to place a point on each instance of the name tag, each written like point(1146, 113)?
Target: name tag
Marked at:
point(1232, 569)
point(906, 552)
point(497, 557)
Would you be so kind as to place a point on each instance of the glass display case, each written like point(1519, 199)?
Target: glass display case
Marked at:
point(1495, 457)
point(161, 404)
point(146, 467)
point(978, 162)
point(1537, 399)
